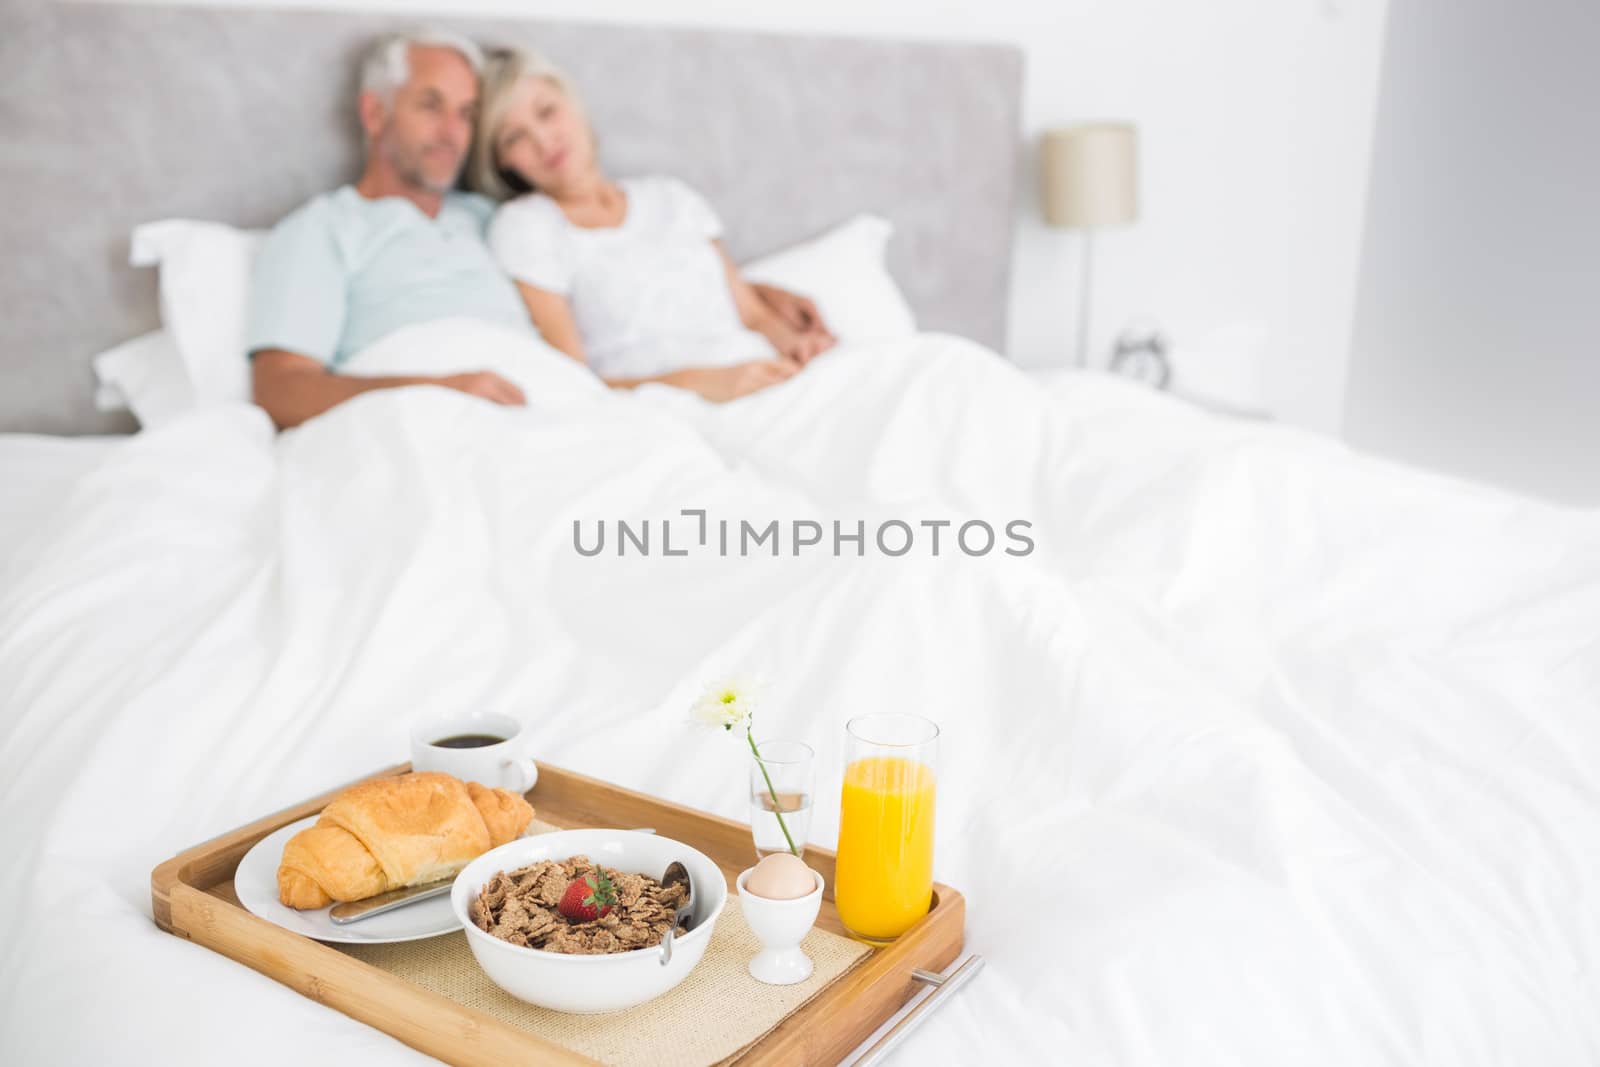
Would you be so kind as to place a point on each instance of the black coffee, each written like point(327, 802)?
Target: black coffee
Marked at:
point(468, 741)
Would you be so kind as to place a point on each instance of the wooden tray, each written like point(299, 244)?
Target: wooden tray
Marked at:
point(192, 896)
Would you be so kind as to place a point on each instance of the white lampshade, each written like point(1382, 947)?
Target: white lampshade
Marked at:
point(1090, 175)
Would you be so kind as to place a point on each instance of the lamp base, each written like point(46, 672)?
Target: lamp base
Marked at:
point(1085, 291)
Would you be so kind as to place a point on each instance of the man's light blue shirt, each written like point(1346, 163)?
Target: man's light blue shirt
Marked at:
point(344, 271)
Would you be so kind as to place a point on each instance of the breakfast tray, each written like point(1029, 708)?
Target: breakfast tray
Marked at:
point(192, 896)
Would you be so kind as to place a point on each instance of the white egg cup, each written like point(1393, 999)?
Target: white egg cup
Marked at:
point(780, 926)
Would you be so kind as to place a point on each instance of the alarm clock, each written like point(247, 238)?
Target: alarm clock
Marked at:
point(1141, 354)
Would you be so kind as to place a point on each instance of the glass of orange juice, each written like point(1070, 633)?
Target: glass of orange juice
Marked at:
point(883, 878)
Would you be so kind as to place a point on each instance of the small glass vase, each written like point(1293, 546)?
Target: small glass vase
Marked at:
point(782, 782)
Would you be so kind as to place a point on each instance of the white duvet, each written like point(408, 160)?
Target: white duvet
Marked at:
point(1268, 753)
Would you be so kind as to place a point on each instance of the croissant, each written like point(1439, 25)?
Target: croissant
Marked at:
point(387, 833)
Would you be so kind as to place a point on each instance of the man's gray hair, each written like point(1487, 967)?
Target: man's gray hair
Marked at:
point(387, 63)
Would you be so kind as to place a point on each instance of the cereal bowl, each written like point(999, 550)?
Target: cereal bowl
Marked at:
point(592, 984)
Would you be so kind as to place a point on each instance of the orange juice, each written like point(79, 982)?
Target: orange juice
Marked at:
point(883, 881)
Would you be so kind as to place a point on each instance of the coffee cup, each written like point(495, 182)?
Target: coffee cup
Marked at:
point(485, 747)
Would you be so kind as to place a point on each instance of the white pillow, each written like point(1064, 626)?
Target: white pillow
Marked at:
point(145, 376)
point(844, 272)
point(205, 300)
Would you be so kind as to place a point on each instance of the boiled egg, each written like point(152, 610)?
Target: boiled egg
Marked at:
point(781, 876)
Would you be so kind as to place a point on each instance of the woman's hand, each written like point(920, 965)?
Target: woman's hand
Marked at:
point(796, 311)
point(797, 346)
point(790, 323)
point(721, 384)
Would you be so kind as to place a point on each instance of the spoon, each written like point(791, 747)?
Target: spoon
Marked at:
point(676, 873)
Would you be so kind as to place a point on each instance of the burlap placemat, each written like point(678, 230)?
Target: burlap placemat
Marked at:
point(670, 1031)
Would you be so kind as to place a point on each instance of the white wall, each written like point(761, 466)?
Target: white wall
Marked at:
point(1477, 345)
point(1255, 117)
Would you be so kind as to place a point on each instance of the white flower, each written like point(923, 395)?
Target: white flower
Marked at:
point(725, 704)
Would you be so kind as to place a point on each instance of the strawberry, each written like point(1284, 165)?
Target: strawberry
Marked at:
point(588, 898)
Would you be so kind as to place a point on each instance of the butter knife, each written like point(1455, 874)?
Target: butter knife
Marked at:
point(356, 910)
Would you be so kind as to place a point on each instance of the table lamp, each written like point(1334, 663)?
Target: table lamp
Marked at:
point(1089, 178)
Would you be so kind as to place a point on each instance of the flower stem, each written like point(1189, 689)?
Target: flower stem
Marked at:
point(777, 808)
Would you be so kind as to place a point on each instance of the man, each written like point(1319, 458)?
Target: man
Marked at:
point(398, 247)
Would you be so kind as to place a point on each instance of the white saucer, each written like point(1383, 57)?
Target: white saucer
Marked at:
point(256, 883)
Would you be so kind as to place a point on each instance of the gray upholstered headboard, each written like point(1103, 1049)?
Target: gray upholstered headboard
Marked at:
point(116, 114)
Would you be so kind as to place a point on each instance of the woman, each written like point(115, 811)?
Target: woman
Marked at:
point(629, 276)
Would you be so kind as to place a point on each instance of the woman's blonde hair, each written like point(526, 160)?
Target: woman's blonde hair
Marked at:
point(503, 70)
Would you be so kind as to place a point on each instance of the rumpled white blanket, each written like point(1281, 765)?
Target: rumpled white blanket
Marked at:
point(1268, 753)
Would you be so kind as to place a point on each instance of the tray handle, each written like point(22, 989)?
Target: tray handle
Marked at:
point(944, 987)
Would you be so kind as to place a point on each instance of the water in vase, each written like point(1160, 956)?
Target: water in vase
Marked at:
point(764, 825)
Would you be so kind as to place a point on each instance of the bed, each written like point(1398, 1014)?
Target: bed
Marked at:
point(1265, 752)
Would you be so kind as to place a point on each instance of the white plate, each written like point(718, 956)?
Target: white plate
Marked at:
point(256, 883)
